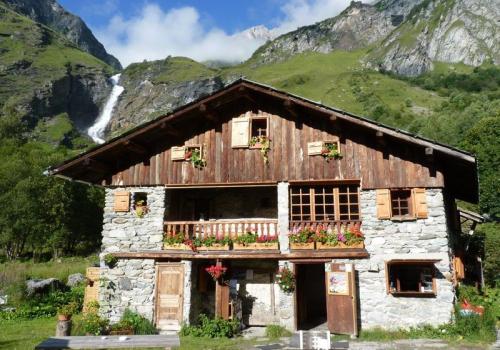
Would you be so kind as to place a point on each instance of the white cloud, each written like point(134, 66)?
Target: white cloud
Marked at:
point(155, 34)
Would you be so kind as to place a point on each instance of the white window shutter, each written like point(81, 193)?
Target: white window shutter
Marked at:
point(240, 132)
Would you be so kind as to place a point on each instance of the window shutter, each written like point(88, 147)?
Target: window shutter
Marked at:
point(384, 204)
point(178, 153)
point(314, 148)
point(240, 132)
point(122, 201)
point(419, 203)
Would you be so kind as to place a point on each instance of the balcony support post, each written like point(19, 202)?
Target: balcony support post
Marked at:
point(283, 215)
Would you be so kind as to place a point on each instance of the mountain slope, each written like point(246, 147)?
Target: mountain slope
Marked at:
point(407, 36)
point(54, 16)
point(358, 26)
point(452, 31)
point(42, 74)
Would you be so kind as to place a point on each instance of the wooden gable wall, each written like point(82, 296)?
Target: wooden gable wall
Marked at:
point(377, 161)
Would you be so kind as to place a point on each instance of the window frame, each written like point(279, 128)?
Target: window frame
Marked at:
point(334, 191)
point(250, 131)
point(423, 264)
point(411, 210)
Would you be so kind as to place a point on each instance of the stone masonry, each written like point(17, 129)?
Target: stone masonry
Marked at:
point(417, 239)
point(130, 284)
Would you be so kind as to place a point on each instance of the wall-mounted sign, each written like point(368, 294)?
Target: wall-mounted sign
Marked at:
point(338, 283)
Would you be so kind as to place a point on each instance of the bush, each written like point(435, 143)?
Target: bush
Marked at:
point(212, 328)
point(137, 322)
point(93, 324)
point(47, 305)
point(275, 331)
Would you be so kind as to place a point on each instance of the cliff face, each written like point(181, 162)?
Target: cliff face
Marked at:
point(406, 35)
point(155, 88)
point(452, 31)
point(54, 16)
point(359, 26)
point(42, 74)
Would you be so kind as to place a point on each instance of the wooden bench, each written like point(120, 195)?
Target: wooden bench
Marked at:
point(110, 342)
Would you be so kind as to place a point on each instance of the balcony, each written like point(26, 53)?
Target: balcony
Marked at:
point(227, 228)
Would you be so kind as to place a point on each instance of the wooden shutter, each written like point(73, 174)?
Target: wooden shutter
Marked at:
point(459, 268)
point(92, 288)
point(178, 153)
point(122, 201)
point(419, 203)
point(240, 132)
point(384, 203)
point(314, 148)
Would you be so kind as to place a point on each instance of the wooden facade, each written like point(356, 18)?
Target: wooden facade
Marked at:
point(378, 156)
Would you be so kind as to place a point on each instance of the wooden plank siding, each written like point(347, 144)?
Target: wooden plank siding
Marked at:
point(387, 165)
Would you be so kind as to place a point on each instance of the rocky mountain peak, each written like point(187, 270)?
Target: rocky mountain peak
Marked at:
point(54, 16)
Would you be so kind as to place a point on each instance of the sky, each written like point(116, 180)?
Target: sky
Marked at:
point(137, 30)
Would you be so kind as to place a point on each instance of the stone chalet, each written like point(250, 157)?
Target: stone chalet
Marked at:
point(259, 184)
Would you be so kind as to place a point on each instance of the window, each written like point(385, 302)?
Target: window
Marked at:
point(324, 203)
point(258, 126)
point(411, 278)
point(401, 203)
point(248, 127)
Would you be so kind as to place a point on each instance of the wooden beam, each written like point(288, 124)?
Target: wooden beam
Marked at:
point(379, 134)
point(429, 151)
point(167, 128)
point(353, 253)
point(135, 147)
point(203, 107)
point(333, 117)
point(96, 165)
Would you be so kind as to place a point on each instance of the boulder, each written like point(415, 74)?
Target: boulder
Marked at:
point(75, 279)
point(3, 299)
point(38, 287)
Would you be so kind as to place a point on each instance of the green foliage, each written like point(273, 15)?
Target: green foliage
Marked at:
point(302, 236)
point(69, 309)
point(48, 305)
point(286, 279)
point(110, 260)
point(212, 328)
point(91, 323)
point(248, 237)
point(274, 331)
point(491, 233)
point(488, 297)
point(471, 328)
point(138, 323)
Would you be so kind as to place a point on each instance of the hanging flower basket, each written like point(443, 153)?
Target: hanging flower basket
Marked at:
point(286, 279)
point(216, 271)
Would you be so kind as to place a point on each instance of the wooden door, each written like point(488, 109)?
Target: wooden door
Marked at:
point(169, 296)
point(341, 301)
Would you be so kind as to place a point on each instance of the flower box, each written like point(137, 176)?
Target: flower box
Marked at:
point(256, 246)
point(340, 245)
point(302, 246)
point(180, 246)
point(215, 246)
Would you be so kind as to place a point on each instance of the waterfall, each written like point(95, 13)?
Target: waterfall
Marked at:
point(96, 131)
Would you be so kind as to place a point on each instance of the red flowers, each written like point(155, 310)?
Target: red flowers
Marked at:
point(267, 239)
point(216, 271)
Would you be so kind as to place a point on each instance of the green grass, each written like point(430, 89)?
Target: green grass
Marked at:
point(328, 78)
point(193, 343)
point(14, 274)
point(25, 334)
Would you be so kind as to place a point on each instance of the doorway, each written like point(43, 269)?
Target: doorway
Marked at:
point(169, 295)
point(310, 295)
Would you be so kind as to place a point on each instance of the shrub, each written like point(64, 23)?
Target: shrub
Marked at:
point(110, 260)
point(92, 323)
point(275, 331)
point(212, 328)
point(138, 323)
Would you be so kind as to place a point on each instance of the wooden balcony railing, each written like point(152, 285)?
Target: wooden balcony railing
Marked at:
point(230, 228)
point(336, 226)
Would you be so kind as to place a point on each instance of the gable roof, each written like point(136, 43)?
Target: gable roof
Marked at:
point(465, 161)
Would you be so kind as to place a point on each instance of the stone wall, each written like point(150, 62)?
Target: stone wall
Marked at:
point(130, 284)
point(418, 239)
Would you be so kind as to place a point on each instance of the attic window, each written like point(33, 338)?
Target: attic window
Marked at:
point(259, 126)
point(411, 278)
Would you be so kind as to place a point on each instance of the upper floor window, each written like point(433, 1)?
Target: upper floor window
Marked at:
point(324, 203)
point(402, 204)
point(259, 126)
